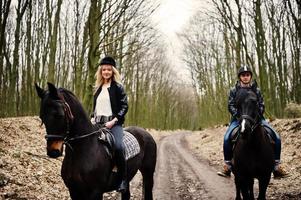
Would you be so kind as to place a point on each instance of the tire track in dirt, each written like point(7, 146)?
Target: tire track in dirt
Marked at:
point(179, 175)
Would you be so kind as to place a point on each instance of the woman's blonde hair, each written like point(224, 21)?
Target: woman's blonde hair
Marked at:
point(99, 79)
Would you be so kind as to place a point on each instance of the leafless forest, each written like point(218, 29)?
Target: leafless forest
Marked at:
point(62, 42)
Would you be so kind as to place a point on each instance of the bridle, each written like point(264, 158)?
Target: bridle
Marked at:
point(69, 120)
point(254, 121)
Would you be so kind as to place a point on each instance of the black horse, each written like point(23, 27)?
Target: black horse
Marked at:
point(253, 155)
point(87, 167)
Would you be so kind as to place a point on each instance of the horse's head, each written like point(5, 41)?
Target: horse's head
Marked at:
point(247, 105)
point(56, 114)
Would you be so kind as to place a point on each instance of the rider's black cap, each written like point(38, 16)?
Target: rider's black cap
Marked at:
point(243, 69)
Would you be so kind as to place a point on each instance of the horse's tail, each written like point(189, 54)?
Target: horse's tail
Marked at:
point(147, 168)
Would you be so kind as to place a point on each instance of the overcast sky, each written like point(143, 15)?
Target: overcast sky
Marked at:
point(171, 18)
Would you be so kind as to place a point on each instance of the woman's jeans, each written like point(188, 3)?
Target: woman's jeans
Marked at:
point(228, 145)
point(117, 131)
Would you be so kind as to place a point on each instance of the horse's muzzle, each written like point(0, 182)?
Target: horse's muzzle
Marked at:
point(54, 149)
point(54, 153)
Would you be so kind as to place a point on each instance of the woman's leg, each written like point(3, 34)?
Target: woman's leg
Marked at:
point(117, 131)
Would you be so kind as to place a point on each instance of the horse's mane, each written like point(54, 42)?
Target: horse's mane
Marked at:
point(67, 92)
point(243, 94)
point(72, 100)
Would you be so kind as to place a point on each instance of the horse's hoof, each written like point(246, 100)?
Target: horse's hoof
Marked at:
point(123, 187)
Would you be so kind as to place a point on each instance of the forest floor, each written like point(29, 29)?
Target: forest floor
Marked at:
point(208, 145)
point(186, 167)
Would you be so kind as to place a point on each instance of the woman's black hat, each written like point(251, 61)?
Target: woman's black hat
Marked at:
point(108, 60)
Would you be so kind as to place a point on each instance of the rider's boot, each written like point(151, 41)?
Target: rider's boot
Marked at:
point(122, 168)
point(226, 171)
point(279, 171)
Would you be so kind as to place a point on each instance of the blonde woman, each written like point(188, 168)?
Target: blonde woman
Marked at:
point(110, 107)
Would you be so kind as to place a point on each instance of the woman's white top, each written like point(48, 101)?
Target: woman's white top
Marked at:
point(103, 103)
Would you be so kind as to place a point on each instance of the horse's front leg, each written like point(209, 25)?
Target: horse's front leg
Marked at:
point(251, 186)
point(87, 195)
point(74, 194)
point(237, 185)
point(244, 188)
point(127, 194)
point(263, 185)
point(95, 195)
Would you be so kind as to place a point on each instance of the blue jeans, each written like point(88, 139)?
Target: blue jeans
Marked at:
point(227, 140)
point(275, 136)
point(117, 131)
point(228, 145)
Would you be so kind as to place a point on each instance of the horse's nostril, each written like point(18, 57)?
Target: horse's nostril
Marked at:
point(54, 153)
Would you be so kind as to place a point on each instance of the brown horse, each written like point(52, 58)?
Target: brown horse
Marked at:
point(253, 153)
point(87, 167)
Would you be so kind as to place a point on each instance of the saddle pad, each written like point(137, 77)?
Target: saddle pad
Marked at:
point(131, 144)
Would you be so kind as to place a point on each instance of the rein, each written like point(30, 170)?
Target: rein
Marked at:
point(69, 118)
point(66, 139)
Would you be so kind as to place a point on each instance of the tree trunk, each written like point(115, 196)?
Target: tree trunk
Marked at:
point(93, 55)
point(53, 43)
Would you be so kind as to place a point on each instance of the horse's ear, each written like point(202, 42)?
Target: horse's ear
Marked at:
point(254, 85)
point(40, 91)
point(52, 90)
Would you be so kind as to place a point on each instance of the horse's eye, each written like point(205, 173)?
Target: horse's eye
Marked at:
point(59, 114)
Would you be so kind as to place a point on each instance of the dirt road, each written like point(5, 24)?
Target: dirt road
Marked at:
point(27, 173)
point(186, 167)
point(179, 175)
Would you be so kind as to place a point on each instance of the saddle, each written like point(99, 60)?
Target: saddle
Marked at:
point(132, 147)
point(269, 134)
point(236, 132)
point(106, 137)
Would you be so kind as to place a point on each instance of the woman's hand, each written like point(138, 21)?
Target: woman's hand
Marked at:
point(111, 123)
